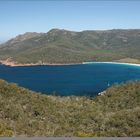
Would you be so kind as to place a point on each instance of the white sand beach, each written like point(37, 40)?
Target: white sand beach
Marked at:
point(133, 64)
point(10, 62)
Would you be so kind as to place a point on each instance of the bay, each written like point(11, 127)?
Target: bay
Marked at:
point(66, 80)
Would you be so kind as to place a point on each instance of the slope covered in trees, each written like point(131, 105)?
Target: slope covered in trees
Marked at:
point(62, 46)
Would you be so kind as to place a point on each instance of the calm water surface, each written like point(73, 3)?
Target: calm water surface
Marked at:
point(87, 79)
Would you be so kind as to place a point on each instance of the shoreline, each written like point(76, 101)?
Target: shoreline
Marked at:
point(122, 63)
point(15, 64)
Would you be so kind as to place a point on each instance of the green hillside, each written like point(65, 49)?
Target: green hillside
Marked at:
point(25, 113)
point(62, 46)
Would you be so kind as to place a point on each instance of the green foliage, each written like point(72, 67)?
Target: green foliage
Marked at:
point(26, 113)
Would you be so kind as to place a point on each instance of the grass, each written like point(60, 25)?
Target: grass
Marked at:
point(26, 113)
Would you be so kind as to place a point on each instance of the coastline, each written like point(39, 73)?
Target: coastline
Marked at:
point(123, 63)
point(10, 63)
point(16, 64)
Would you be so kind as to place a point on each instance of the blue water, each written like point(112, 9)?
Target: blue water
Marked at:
point(87, 79)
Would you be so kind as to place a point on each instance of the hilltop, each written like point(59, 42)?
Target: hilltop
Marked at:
point(59, 46)
point(26, 113)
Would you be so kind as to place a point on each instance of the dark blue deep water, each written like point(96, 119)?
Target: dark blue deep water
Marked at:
point(87, 79)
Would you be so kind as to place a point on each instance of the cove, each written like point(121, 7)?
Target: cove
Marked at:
point(65, 80)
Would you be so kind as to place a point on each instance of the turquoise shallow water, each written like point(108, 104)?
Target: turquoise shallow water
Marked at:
point(82, 79)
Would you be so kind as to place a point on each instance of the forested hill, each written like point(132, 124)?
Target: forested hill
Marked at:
point(26, 113)
point(62, 46)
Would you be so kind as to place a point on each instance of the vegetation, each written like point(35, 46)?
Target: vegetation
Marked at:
point(62, 46)
point(26, 113)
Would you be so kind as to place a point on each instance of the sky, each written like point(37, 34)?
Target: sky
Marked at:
point(18, 17)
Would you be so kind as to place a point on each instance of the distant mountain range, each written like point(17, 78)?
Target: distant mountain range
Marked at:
point(63, 46)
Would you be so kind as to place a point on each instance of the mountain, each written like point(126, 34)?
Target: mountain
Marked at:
point(63, 46)
point(26, 113)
